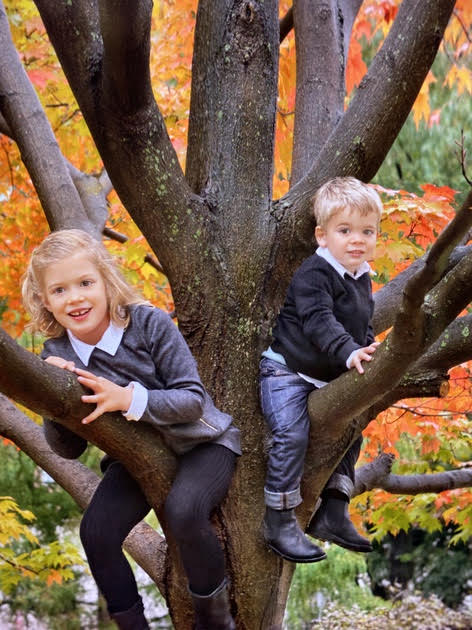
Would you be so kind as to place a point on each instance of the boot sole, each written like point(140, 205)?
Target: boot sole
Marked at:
point(294, 559)
point(340, 542)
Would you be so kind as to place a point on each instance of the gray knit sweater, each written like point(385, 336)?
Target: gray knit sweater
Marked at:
point(153, 353)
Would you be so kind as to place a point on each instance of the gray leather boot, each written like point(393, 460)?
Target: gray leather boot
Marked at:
point(284, 536)
point(212, 612)
point(331, 521)
point(131, 619)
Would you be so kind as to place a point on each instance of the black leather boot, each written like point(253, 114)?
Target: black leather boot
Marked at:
point(331, 522)
point(212, 612)
point(131, 619)
point(284, 536)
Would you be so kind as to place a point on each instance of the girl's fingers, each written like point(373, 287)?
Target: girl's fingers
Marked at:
point(88, 382)
point(84, 373)
point(90, 418)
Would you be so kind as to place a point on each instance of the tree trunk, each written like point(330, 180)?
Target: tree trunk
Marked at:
point(227, 248)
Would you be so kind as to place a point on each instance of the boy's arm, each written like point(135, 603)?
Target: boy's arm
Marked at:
point(370, 334)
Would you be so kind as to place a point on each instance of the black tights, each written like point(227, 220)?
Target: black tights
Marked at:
point(202, 481)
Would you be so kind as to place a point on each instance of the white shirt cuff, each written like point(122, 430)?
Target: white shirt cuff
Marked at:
point(139, 402)
point(348, 360)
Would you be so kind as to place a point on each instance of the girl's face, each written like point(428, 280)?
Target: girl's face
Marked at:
point(74, 292)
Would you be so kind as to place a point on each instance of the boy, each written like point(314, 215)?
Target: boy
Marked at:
point(322, 330)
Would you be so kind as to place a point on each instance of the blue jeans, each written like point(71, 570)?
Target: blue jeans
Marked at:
point(284, 396)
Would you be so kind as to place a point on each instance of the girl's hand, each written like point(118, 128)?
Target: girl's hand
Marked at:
point(62, 363)
point(106, 395)
point(363, 354)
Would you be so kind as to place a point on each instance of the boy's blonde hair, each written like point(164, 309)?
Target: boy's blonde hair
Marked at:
point(345, 192)
point(58, 246)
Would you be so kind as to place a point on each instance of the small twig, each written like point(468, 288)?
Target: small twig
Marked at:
point(462, 155)
point(149, 258)
point(461, 22)
point(286, 24)
point(122, 238)
point(115, 236)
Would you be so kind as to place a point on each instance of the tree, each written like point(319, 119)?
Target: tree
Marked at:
point(227, 247)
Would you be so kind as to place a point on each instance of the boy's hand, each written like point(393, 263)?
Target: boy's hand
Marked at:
point(363, 354)
point(62, 363)
point(106, 395)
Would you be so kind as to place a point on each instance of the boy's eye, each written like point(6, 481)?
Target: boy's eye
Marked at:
point(369, 232)
point(344, 230)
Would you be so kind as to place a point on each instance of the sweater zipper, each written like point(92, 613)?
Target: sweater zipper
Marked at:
point(208, 425)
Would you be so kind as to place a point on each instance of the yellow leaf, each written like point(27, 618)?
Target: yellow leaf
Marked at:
point(421, 107)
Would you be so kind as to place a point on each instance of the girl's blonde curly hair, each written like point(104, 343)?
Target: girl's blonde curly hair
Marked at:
point(55, 248)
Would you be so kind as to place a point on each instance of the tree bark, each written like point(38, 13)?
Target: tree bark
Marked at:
point(22, 112)
point(229, 251)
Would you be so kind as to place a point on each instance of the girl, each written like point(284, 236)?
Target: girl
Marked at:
point(137, 363)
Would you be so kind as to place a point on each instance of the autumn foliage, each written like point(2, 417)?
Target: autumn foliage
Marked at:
point(425, 435)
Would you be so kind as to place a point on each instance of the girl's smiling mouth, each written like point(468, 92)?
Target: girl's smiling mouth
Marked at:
point(77, 314)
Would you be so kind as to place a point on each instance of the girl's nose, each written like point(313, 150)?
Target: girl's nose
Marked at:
point(75, 298)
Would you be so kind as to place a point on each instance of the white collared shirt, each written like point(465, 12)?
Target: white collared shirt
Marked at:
point(109, 343)
point(328, 256)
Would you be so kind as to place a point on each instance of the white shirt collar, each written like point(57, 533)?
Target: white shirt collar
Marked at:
point(110, 342)
point(328, 256)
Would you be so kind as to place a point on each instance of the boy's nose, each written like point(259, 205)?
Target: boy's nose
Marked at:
point(357, 237)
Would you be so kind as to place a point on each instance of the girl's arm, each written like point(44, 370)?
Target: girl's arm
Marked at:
point(180, 396)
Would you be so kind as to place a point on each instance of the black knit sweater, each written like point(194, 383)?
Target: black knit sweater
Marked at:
point(325, 317)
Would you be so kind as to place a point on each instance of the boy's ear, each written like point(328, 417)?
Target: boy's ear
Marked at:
point(320, 236)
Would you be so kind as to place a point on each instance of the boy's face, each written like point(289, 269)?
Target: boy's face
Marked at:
point(350, 237)
point(74, 292)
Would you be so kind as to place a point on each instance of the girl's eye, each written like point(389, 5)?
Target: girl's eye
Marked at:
point(344, 230)
point(86, 283)
point(58, 290)
point(368, 232)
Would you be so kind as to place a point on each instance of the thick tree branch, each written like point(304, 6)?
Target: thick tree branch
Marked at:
point(434, 482)
point(146, 546)
point(92, 189)
point(74, 27)
point(22, 112)
point(152, 186)
point(232, 111)
point(376, 113)
point(322, 34)
point(377, 474)
point(125, 27)
point(387, 299)
point(54, 393)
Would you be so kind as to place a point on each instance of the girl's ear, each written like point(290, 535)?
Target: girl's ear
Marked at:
point(44, 302)
point(320, 236)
